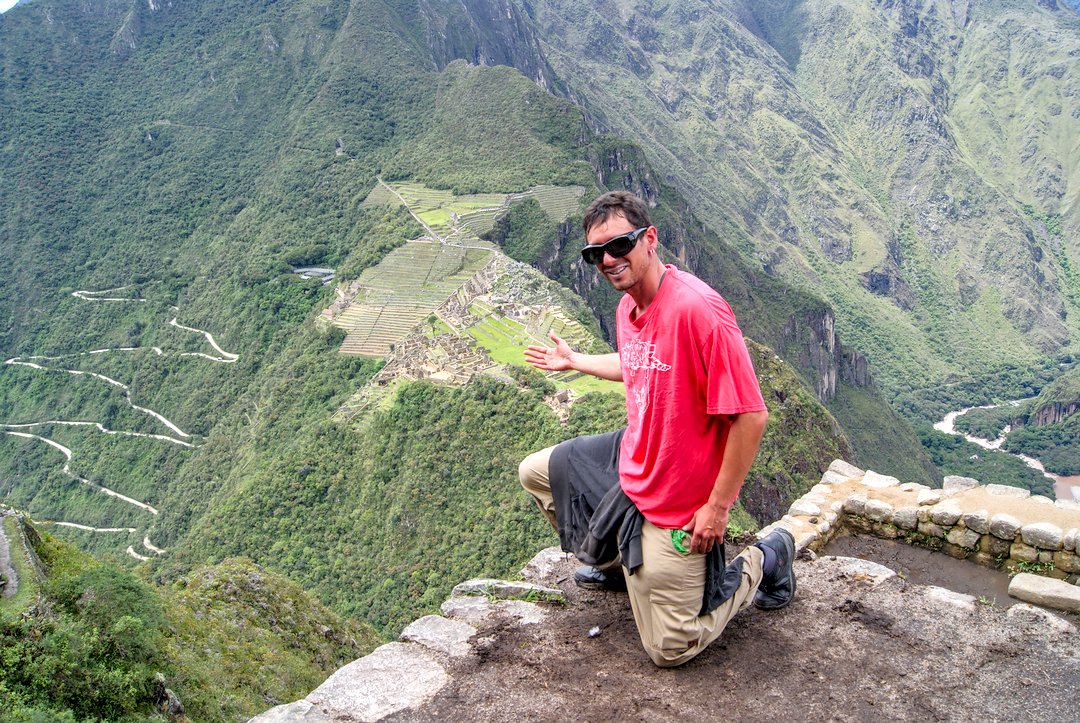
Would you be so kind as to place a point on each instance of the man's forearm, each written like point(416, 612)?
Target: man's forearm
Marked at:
point(605, 366)
point(741, 448)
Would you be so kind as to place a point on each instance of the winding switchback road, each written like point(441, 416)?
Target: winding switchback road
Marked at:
point(32, 362)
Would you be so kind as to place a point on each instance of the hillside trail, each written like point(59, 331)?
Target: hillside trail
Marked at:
point(32, 362)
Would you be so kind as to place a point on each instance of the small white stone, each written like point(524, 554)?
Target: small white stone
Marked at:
point(1007, 491)
point(913, 487)
point(804, 508)
point(928, 497)
point(964, 602)
point(1068, 504)
point(825, 490)
point(955, 483)
point(879, 481)
point(1070, 538)
point(837, 507)
point(848, 470)
point(1043, 535)
point(830, 517)
point(1039, 499)
point(878, 511)
point(1004, 526)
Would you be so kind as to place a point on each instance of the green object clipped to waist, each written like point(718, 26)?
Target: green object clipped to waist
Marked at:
point(678, 541)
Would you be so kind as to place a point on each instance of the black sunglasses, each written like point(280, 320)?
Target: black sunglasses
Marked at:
point(616, 248)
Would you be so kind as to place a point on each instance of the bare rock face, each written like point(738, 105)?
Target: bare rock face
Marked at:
point(440, 634)
point(393, 678)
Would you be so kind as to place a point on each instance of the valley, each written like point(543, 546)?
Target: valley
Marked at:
point(264, 391)
point(1066, 487)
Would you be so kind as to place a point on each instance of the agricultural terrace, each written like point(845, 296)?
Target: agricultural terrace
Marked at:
point(505, 340)
point(415, 279)
point(404, 288)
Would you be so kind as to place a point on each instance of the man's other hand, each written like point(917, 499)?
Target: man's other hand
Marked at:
point(707, 528)
point(550, 359)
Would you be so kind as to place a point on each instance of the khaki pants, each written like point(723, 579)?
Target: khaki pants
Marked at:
point(666, 591)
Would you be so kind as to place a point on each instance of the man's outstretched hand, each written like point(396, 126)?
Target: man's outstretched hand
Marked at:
point(550, 359)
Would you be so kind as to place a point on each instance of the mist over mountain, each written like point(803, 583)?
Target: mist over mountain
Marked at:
point(886, 192)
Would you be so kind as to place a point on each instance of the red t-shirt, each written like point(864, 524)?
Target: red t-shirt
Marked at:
point(684, 364)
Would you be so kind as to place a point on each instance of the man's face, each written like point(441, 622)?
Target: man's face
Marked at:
point(626, 272)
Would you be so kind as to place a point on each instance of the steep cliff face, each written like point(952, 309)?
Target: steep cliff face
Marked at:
point(1052, 413)
point(867, 153)
point(485, 32)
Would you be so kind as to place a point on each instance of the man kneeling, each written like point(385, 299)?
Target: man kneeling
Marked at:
point(654, 499)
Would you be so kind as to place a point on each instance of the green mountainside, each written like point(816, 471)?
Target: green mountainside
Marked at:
point(84, 639)
point(868, 152)
point(170, 165)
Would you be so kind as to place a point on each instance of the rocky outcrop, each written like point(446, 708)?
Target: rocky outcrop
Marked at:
point(488, 658)
point(1052, 413)
point(488, 32)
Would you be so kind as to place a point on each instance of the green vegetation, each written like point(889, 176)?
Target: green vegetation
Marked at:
point(190, 153)
point(1010, 382)
point(1055, 445)
point(525, 232)
point(505, 340)
point(27, 580)
point(229, 639)
point(92, 643)
point(242, 639)
point(955, 455)
point(988, 424)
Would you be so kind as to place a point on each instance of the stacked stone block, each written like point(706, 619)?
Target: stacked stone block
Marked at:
point(1032, 533)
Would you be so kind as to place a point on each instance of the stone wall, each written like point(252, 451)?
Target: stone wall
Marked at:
point(992, 525)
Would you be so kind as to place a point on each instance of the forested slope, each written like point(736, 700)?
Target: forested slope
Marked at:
point(913, 162)
point(168, 164)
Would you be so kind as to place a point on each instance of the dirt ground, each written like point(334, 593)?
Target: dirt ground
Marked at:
point(846, 649)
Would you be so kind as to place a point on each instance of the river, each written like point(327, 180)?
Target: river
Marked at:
point(1065, 488)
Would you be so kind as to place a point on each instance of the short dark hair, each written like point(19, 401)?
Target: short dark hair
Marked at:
point(620, 203)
